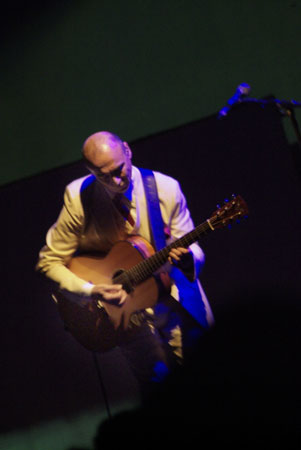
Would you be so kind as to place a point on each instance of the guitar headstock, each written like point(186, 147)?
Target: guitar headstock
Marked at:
point(234, 209)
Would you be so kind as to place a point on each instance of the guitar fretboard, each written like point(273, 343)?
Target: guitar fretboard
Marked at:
point(143, 270)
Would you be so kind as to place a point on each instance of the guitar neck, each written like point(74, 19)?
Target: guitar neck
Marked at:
point(236, 208)
point(148, 266)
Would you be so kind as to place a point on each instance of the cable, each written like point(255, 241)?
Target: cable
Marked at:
point(104, 393)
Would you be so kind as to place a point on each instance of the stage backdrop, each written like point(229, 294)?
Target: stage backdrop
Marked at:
point(46, 373)
point(71, 67)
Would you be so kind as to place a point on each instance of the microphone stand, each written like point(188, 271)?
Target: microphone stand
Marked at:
point(286, 107)
point(291, 113)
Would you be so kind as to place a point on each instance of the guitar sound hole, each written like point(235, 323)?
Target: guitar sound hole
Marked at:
point(121, 277)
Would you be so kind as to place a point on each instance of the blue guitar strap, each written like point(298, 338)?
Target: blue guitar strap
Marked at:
point(186, 289)
point(153, 207)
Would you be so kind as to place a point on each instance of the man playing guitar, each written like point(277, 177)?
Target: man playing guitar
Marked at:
point(103, 209)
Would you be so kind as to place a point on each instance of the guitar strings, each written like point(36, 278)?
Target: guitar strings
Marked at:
point(145, 268)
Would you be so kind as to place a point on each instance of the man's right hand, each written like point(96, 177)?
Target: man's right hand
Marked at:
point(109, 293)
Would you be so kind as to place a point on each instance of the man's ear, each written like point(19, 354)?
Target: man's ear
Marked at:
point(128, 151)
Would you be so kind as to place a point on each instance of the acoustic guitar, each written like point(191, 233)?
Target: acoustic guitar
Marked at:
point(99, 325)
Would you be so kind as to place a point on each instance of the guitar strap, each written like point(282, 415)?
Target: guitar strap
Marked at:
point(191, 319)
point(153, 207)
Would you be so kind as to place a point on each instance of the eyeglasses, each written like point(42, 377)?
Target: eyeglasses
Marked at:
point(106, 176)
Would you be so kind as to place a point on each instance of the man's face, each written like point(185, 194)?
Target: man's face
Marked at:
point(113, 168)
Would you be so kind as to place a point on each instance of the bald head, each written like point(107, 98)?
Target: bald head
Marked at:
point(109, 159)
point(100, 143)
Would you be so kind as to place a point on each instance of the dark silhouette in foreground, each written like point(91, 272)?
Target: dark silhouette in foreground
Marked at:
point(240, 387)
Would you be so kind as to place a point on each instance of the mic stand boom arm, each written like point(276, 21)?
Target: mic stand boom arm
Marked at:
point(286, 107)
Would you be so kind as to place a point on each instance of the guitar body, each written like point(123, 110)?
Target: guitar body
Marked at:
point(99, 328)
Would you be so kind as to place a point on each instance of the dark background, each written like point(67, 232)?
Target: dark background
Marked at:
point(46, 373)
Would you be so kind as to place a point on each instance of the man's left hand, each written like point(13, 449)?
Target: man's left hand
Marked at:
point(181, 257)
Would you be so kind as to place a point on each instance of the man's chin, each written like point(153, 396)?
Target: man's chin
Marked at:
point(123, 187)
point(117, 189)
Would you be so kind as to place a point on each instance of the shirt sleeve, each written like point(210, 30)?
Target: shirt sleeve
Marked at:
point(181, 223)
point(61, 243)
